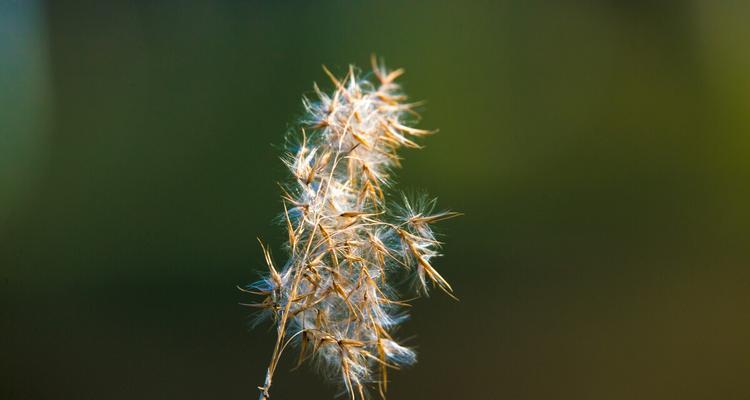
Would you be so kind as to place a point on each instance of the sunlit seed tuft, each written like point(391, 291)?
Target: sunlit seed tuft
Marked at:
point(334, 297)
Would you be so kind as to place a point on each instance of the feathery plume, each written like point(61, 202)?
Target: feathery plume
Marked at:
point(334, 298)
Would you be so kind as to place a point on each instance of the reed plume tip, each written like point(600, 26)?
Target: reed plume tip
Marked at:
point(334, 298)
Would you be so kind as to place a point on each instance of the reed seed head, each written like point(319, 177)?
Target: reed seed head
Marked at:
point(334, 298)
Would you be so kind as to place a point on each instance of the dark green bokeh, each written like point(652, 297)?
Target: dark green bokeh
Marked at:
point(599, 150)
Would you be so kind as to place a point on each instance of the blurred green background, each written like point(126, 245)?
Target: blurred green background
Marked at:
point(600, 152)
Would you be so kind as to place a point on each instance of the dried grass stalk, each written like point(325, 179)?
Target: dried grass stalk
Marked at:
point(334, 298)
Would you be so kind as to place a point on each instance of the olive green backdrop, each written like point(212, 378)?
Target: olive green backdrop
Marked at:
point(600, 151)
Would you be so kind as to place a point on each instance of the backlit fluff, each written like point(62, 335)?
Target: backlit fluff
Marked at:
point(333, 299)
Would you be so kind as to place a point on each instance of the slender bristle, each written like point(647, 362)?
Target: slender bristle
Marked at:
point(334, 298)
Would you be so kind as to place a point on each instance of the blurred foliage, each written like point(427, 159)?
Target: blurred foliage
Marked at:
point(598, 149)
